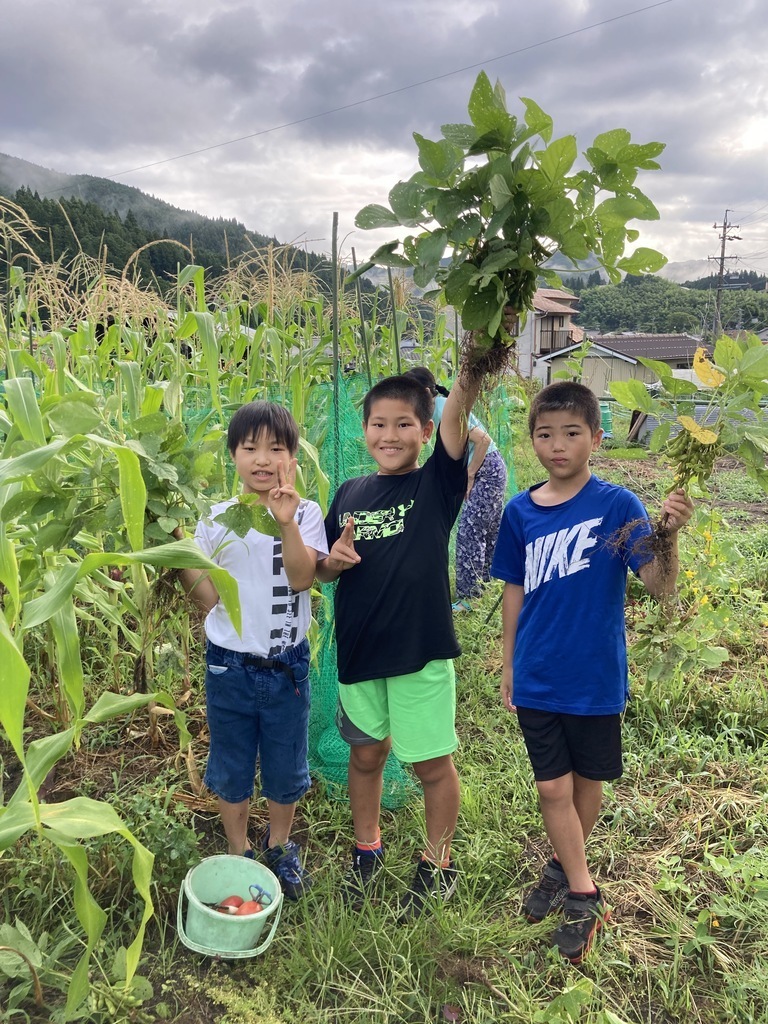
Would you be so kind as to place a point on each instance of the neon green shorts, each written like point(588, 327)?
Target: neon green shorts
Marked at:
point(417, 710)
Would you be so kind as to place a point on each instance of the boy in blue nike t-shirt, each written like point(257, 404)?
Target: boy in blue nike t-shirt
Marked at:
point(564, 550)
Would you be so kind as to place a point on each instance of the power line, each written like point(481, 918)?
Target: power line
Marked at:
point(384, 95)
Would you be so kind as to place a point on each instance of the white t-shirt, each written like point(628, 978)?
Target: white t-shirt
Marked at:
point(274, 617)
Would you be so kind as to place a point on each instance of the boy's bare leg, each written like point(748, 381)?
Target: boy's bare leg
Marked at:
point(587, 799)
point(280, 822)
point(564, 829)
point(440, 782)
point(234, 818)
point(366, 780)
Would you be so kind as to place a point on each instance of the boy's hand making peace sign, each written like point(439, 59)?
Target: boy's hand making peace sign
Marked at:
point(283, 500)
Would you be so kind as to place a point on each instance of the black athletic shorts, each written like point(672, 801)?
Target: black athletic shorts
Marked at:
point(557, 744)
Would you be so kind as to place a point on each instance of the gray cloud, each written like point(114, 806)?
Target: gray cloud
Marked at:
point(113, 87)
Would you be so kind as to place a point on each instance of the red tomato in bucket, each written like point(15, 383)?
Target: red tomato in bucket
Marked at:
point(249, 907)
point(230, 905)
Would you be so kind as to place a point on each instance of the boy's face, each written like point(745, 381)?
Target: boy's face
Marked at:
point(395, 436)
point(563, 443)
point(256, 461)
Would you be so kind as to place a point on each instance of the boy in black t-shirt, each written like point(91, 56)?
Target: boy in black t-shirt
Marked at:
point(388, 538)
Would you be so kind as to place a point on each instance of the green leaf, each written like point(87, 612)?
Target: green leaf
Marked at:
point(613, 142)
point(633, 394)
point(482, 104)
point(91, 917)
point(449, 208)
point(73, 417)
point(479, 309)
point(662, 370)
point(557, 159)
point(754, 363)
point(133, 490)
point(68, 663)
point(131, 375)
point(727, 354)
point(406, 200)
point(13, 692)
point(615, 212)
point(462, 135)
point(181, 554)
point(430, 249)
point(375, 216)
point(538, 122)
point(712, 657)
point(9, 568)
point(242, 516)
point(112, 705)
point(500, 193)
point(660, 436)
point(209, 341)
point(642, 261)
point(22, 403)
point(41, 756)
point(438, 160)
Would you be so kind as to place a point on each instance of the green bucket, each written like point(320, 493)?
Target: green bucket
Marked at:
point(205, 929)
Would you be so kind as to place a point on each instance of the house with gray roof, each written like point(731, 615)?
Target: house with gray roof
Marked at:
point(616, 357)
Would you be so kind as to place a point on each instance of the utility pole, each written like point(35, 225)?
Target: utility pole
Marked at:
point(724, 237)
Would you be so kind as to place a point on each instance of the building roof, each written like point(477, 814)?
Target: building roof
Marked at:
point(651, 346)
point(557, 294)
point(545, 305)
point(595, 349)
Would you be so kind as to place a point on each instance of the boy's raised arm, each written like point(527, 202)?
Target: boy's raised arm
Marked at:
point(454, 423)
point(299, 561)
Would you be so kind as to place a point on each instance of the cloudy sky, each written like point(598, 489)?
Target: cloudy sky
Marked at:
point(280, 113)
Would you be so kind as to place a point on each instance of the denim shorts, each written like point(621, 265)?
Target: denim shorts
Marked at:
point(257, 713)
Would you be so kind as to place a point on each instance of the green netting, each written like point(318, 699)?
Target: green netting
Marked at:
point(332, 422)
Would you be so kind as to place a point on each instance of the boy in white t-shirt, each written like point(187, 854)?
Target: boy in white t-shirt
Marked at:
point(257, 685)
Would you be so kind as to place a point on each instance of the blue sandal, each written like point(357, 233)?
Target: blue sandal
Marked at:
point(461, 606)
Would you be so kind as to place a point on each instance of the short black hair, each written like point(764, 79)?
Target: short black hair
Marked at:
point(250, 420)
point(402, 389)
point(566, 396)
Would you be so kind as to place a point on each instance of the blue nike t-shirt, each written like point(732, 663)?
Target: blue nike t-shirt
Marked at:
point(572, 560)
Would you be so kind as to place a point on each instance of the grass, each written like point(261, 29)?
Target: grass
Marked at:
point(681, 850)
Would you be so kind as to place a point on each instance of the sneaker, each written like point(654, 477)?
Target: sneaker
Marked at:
point(430, 884)
point(283, 861)
point(359, 879)
point(548, 895)
point(584, 916)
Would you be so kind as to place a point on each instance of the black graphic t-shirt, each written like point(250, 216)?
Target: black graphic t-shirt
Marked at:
point(393, 609)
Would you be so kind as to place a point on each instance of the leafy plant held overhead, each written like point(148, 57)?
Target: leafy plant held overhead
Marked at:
point(494, 199)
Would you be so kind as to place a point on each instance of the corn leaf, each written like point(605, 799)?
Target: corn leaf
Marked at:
point(133, 490)
point(41, 756)
point(182, 554)
point(22, 402)
point(14, 689)
point(69, 665)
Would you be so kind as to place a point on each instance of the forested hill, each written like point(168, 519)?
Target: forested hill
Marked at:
point(651, 304)
point(76, 211)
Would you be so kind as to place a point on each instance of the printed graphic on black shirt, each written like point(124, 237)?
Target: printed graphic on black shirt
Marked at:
point(381, 523)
